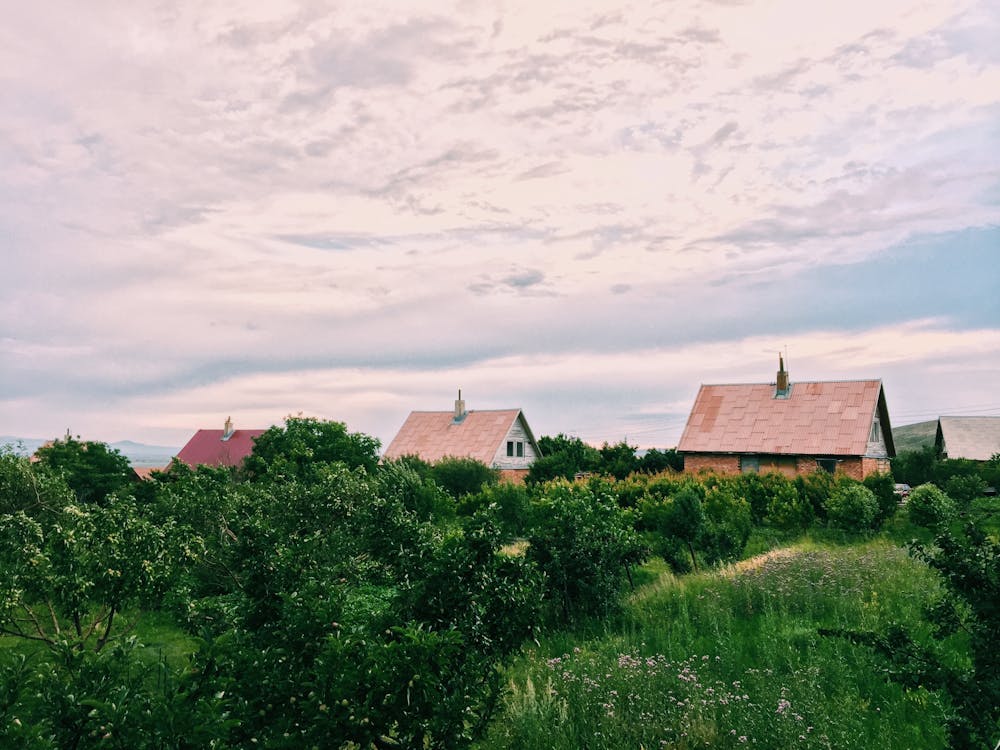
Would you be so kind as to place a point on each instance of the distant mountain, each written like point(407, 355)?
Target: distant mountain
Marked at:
point(913, 437)
point(138, 454)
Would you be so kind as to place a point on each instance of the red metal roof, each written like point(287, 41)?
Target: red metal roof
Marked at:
point(832, 418)
point(432, 435)
point(208, 447)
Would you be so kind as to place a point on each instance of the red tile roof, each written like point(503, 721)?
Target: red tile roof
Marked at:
point(432, 435)
point(830, 418)
point(208, 447)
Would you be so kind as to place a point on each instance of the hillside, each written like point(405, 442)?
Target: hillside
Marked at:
point(913, 437)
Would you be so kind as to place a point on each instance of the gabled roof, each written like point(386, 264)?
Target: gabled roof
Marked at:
point(976, 438)
point(207, 447)
point(827, 418)
point(433, 435)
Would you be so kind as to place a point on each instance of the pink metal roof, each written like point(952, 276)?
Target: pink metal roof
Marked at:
point(432, 435)
point(208, 447)
point(822, 419)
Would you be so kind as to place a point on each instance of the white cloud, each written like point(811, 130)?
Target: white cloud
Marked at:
point(206, 188)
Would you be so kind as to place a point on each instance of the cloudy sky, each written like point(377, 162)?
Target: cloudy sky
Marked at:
point(214, 208)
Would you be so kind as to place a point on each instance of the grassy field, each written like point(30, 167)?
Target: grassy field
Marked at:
point(732, 658)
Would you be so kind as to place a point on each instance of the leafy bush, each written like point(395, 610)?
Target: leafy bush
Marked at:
point(928, 506)
point(463, 476)
point(852, 507)
point(786, 508)
point(884, 488)
point(964, 489)
point(816, 489)
point(584, 544)
point(509, 502)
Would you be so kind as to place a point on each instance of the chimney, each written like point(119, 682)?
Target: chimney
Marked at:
point(781, 387)
point(459, 407)
point(227, 430)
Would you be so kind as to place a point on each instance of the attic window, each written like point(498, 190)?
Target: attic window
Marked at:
point(515, 448)
point(876, 433)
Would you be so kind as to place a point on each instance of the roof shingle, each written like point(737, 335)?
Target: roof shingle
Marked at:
point(817, 418)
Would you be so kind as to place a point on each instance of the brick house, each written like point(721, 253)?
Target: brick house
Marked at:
point(225, 447)
point(500, 438)
point(790, 428)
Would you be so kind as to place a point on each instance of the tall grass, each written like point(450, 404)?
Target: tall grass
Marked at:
point(732, 659)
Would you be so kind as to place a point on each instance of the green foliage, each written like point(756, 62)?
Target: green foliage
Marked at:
point(656, 461)
point(584, 544)
point(969, 566)
point(915, 467)
point(786, 507)
point(460, 476)
point(304, 443)
point(816, 489)
point(30, 488)
point(618, 459)
point(731, 659)
point(508, 501)
point(727, 524)
point(563, 457)
point(883, 486)
point(82, 568)
point(92, 470)
point(419, 494)
point(853, 507)
point(928, 506)
point(964, 489)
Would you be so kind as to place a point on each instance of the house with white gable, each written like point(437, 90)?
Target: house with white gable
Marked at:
point(500, 438)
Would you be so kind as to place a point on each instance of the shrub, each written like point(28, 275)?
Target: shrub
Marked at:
point(964, 489)
point(510, 503)
point(786, 508)
point(463, 476)
point(884, 487)
point(584, 544)
point(852, 507)
point(928, 506)
point(816, 489)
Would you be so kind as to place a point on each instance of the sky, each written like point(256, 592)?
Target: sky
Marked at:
point(251, 209)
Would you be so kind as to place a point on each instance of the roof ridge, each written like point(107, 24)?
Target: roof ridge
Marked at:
point(793, 382)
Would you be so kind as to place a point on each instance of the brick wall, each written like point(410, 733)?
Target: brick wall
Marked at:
point(513, 476)
point(720, 463)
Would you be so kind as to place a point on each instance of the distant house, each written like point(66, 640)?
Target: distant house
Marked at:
point(790, 428)
point(225, 447)
point(975, 438)
point(499, 438)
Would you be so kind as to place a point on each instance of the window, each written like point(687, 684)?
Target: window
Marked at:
point(827, 464)
point(520, 449)
point(876, 434)
point(510, 447)
point(750, 464)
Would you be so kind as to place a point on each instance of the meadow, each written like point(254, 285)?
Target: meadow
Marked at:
point(732, 658)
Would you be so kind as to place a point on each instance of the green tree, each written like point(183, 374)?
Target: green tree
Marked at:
point(460, 476)
point(585, 546)
point(92, 470)
point(562, 458)
point(618, 459)
point(656, 461)
point(66, 576)
point(305, 442)
point(883, 486)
